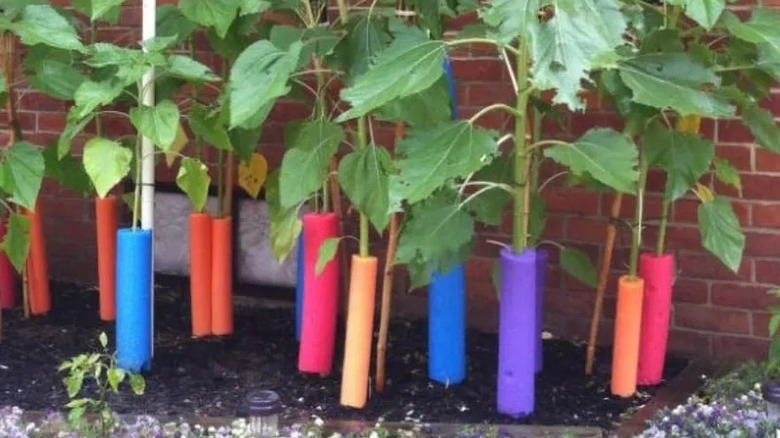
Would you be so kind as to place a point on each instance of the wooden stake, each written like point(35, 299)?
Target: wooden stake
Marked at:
point(606, 265)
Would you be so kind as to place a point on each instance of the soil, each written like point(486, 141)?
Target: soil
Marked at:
point(209, 377)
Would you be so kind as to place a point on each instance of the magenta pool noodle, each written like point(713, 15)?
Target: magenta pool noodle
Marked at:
point(517, 334)
point(447, 327)
point(658, 273)
point(133, 299)
point(541, 283)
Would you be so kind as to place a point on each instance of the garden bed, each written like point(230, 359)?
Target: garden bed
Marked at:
point(209, 377)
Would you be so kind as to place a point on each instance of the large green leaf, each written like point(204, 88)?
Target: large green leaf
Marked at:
point(158, 123)
point(285, 222)
point(410, 65)
point(72, 129)
point(433, 156)
point(762, 125)
point(490, 206)
point(42, 24)
point(422, 110)
point(581, 36)
point(366, 36)
point(67, 171)
point(208, 126)
point(23, 170)
point(512, 18)
point(91, 95)
point(704, 12)
point(106, 163)
point(684, 157)
point(674, 80)
point(102, 7)
point(364, 176)
point(51, 71)
point(189, 69)
point(245, 141)
point(721, 233)
point(255, 6)
point(16, 243)
point(727, 174)
point(171, 22)
point(310, 146)
point(435, 230)
point(193, 179)
point(762, 30)
point(608, 156)
point(577, 264)
point(259, 76)
point(318, 41)
point(218, 14)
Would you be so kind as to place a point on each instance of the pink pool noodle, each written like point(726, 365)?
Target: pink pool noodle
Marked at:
point(658, 273)
point(7, 277)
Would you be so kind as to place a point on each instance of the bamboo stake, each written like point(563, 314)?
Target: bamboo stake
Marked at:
point(606, 264)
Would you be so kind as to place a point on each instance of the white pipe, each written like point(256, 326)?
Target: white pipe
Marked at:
point(148, 32)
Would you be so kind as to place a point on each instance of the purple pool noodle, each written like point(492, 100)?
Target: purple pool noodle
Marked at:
point(517, 334)
point(541, 282)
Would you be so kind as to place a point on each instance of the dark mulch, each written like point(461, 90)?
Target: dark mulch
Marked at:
point(209, 377)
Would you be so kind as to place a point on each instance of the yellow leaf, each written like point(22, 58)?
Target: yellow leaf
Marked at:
point(252, 174)
point(689, 124)
point(178, 144)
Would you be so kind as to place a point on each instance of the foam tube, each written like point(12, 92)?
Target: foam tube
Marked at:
point(106, 224)
point(625, 349)
point(360, 332)
point(447, 327)
point(7, 275)
point(133, 300)
point(320, 297)
point(541, 283)
point(658, 274)
point(200, 273)
point(40, 298)
point(222, 277)
point(517, 334)
point(299, 289)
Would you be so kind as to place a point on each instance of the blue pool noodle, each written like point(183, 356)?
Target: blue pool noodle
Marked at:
point(133, 300)
point(447, 327)
point(299, 290)
point(447, 306)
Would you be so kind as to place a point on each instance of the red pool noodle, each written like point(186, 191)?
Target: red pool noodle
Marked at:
point(7, 276)
point(658, 273)
point(321, 293)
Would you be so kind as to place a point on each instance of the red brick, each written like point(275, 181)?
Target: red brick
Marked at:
point(572, 201)
point(711, 319)
point(586, 230)
point(767, 271)
point(762, 244)
point(767, 161)
point(478, 69)
point(733, 131)
point(761, 324)
point(687, 210)
point(581, 123)
point(36, 101)
point(689, 342)
point(738, 347)
point(706, 266)
point(761, 187)
point(480, 269)
point(766, 215)
point(742, 296)
point(51, 122)
point(738, 156)
point(690, 291)
point(488, 94)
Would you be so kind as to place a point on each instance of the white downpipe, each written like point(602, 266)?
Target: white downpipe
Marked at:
point(148, 32)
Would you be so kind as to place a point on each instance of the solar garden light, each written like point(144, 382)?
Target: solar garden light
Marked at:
point(264, 408)
point(771, 392)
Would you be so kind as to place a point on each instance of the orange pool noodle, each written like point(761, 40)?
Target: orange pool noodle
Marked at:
point(625, 350)
point(38, 275)
point(200, 273)
point(222, 277)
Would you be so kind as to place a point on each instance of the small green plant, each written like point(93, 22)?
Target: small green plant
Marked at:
point(773, 361)
point(100, 369)
point(736, 383)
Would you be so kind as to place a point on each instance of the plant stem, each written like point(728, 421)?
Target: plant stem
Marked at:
point(636, 240)
point(343, 11)
point(659, 247)
point(499, 106)
point(361, 144)
point(536, 161)
point(321, 114)
point(520, 223)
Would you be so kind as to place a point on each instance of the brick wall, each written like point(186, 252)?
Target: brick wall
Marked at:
point(715, 311)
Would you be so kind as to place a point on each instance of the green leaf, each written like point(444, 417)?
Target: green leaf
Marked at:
point(67, 171)
point(364, 176)
point(366, 36)
point(608, 156)
point(577, 264)
point(727, 174)
point(245, 141)
point(72, 129)
point(52, 72)
point(209, 127)
point(310, 146)
point(674, 80)
point(106, 163)
point(704, 12)
point(537, 220)
point(316, 41)
point(259, 76)
point(16, 244)
point(326, 253)
point(73, 384)
point(42, 24)
point(102, 7)
point(189, 69)
point(115, 377)
point(23, 171)
point(193, 179)
point(422, 110)
point(103, 339)
point(255, 6)
point(721, 233)
point(433, 156)
point(172, 23)
point(774, 324)
point(581, 36)
point(218, 14)
point(684, 157)
point(435, 230)
point(761, 124)
point(137, 382)
point(285, 222)
point(512, 18)
point(402, 70)
point(76, 414)
point(90, 95)
point(490, 207)
point(77, 403)
point(158, 123)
